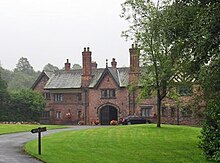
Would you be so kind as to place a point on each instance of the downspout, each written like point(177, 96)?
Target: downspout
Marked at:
point(85, 105)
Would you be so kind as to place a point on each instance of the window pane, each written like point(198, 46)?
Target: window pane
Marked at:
point(111, 93)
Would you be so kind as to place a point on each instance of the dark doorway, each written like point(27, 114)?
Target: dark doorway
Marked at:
point(107, 114)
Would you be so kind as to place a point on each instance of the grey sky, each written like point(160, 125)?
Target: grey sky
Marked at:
point(51, 31)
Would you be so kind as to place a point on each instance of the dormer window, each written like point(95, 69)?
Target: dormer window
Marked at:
point(108, 93)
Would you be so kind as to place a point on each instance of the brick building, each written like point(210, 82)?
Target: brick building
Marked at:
point(97, 94)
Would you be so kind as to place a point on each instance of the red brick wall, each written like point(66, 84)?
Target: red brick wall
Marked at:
point(96, 102)
point(71, 104)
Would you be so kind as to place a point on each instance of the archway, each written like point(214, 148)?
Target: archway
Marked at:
point(108, 113)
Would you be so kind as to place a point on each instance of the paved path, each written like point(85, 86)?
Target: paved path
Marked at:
point(11, 145)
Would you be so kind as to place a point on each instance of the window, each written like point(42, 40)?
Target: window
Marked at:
point(186, 112)
point(45, 114)
point(184, 90)
point(108, 93)
point(58, 97)
point(58, 115)
point(46, 95)
point(146, 111)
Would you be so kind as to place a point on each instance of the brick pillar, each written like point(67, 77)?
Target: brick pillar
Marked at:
point(87, 69)
point(134, 65)
point(67, 65)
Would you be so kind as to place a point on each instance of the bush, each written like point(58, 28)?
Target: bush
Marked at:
point(210, 138)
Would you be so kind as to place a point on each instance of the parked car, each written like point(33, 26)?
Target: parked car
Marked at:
point(134, 120)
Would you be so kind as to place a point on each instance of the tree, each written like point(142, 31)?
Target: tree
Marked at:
point(3, 98)
point(24, 66)
point(210, 138)
point(197, 27)
point(76, 66)
point(160, 61)
point(25, 105)
point(50, 67)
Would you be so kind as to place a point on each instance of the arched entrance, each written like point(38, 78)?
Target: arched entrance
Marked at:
point(108, 113)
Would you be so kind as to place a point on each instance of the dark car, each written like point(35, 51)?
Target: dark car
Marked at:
point(134, 120)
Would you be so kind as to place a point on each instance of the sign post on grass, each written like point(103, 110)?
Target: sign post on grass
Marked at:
point(39, 130)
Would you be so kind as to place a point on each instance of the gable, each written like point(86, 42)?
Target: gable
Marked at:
point(40, 82)
point(107, 80)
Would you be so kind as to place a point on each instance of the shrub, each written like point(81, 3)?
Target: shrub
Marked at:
point(210, 138)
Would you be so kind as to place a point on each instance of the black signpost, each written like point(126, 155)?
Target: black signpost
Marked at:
point(39, 130)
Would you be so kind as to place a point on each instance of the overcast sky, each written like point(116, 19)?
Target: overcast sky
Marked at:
point(51, 31)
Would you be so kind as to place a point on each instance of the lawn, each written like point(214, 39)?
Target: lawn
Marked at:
point(12, 128)
point(130, 144)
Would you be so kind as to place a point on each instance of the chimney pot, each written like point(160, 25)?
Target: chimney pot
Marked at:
point(88, 49)
point(132, 45)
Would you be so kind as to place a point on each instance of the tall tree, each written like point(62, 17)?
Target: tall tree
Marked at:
point(160, 62)
point(24, 66)
point(197, 27)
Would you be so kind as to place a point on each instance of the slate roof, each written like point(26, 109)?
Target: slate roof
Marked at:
point(62, 79)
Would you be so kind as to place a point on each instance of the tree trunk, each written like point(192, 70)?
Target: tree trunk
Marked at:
point(158, 109)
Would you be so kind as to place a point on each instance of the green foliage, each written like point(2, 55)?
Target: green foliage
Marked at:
point(210, 81)
point(210, 139)
point(25, 105)
point(118, 144)
point(17, 80)
point(3, 97)
point(160, 62)
point(76, 66)
point(24, 66)
point(50, 67)
point(22, 80)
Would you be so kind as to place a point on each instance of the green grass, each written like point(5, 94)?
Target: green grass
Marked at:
point(129, 144)
point(13, 128)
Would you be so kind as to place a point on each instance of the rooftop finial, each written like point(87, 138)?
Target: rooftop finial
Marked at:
point(106, 62)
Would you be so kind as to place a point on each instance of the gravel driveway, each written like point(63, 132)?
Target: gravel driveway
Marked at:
point(11, 145)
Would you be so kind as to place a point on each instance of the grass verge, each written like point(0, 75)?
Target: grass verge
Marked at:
point(130, 144)
point(13, 128)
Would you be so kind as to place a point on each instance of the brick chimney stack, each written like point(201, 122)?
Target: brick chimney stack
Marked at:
point(87, 66)
point(67, 65)
point(114, 63)
point(134, 64)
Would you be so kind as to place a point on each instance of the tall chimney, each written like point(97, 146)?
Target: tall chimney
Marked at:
point(134, 64)
point(67, 65)
point(114, 63)
point(87, 66)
